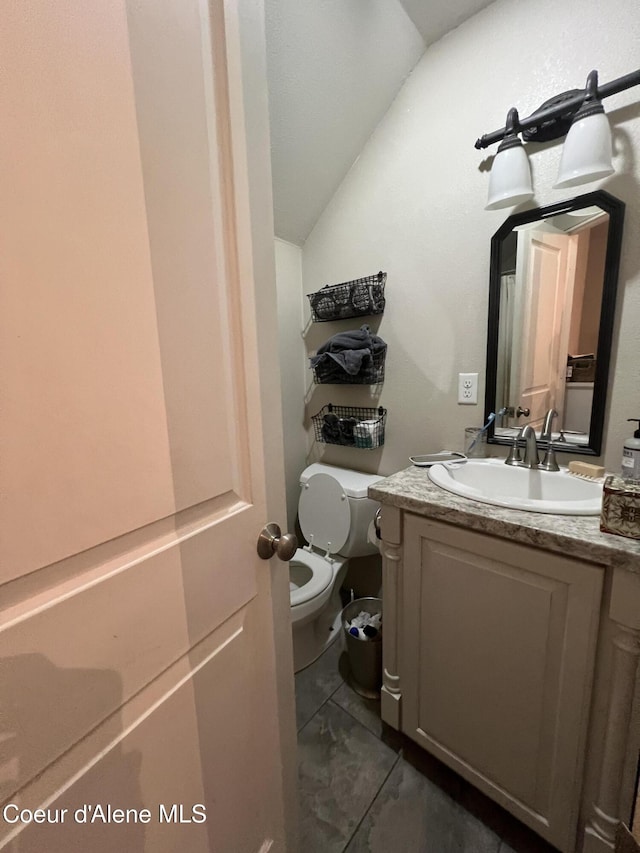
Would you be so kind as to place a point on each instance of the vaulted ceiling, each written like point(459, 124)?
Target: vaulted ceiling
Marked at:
point(334, 67)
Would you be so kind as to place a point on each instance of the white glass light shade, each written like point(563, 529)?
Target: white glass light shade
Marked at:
point(586, 154)
point(510, 178)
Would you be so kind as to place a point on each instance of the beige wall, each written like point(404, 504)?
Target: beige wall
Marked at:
point(413, 205)
point(292, 367)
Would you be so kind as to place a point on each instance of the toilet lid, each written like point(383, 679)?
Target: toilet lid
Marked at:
point(324, 513)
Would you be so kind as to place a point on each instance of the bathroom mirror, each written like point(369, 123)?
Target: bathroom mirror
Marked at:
point(552, 291)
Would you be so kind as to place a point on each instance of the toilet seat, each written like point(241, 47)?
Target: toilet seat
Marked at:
point(321, 576)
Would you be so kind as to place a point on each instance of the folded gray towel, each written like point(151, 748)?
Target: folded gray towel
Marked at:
point(352, 351)
point(349, 360)
point(354, 339)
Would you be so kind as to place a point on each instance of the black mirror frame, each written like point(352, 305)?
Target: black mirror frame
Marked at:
point(615, 208)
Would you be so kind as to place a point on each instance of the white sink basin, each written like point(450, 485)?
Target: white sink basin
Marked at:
point(490, 481)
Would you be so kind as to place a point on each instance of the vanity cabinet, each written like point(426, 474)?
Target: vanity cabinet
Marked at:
point(497, 648)
point(511, 645)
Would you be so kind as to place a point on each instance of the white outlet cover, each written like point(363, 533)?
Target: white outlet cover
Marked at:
point(468, 389)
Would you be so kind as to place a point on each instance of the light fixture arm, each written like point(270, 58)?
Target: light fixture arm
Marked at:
point(513, 122)
point(566, 106)
point(512, 130)
point(591, 104)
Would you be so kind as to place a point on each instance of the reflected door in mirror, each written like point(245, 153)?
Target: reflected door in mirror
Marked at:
point(552, 295)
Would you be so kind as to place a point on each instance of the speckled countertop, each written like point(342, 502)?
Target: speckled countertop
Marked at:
point(572, 535)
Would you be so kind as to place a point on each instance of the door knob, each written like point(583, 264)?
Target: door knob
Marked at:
point(271, 541)
point(510, 412)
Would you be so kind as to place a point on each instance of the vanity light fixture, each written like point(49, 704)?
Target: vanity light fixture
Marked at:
point(578, 115)
point(586, 154)
point(510, 178)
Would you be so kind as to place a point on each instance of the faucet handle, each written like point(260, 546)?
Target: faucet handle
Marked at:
point(549, 462)
point(514, 454)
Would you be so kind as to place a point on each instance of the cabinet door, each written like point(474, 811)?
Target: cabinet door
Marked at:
point(497, 653)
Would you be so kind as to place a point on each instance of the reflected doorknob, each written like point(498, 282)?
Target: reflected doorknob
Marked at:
point(271, 541)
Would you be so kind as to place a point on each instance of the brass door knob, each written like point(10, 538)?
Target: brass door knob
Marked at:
point(271, 541)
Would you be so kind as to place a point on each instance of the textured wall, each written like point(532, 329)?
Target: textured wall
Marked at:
point(413, 206)
point(292, 368)
point(435, 18)
point(333, 68)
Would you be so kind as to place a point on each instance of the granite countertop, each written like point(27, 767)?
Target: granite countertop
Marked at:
point(572, 535)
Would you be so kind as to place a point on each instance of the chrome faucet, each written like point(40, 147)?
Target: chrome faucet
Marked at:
point(549, 462)
point(546, 427)
point(531, 447)
point(531, 460)
point(527, 434)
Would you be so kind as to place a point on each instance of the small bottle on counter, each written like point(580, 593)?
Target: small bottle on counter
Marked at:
point(631, 454)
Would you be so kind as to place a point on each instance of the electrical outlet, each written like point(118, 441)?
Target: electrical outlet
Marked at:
point(468, 389)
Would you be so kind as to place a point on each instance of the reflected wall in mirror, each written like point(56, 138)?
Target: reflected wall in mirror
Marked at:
point(554, 274)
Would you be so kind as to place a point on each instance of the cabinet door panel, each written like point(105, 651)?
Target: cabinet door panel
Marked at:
point(497, 651)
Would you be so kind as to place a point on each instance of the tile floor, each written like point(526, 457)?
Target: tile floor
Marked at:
point(364, 788)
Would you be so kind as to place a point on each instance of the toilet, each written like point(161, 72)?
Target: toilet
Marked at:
point(334, 514)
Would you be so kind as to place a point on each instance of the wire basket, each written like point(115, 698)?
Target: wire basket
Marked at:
point(358, 298)
point(350, 426)
point(327, 372)
point(581, 369)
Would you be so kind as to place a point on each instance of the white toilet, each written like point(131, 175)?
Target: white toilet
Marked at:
point(334, 513)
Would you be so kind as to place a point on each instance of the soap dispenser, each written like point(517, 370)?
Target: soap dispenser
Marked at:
point(631, 454)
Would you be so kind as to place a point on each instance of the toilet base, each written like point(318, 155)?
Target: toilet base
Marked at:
point(313, 638)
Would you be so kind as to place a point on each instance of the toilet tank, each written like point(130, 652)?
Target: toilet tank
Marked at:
point(578, 400)
point(354, 484)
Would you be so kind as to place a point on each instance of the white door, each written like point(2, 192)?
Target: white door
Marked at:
point(542, 320)
point(138, 659)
